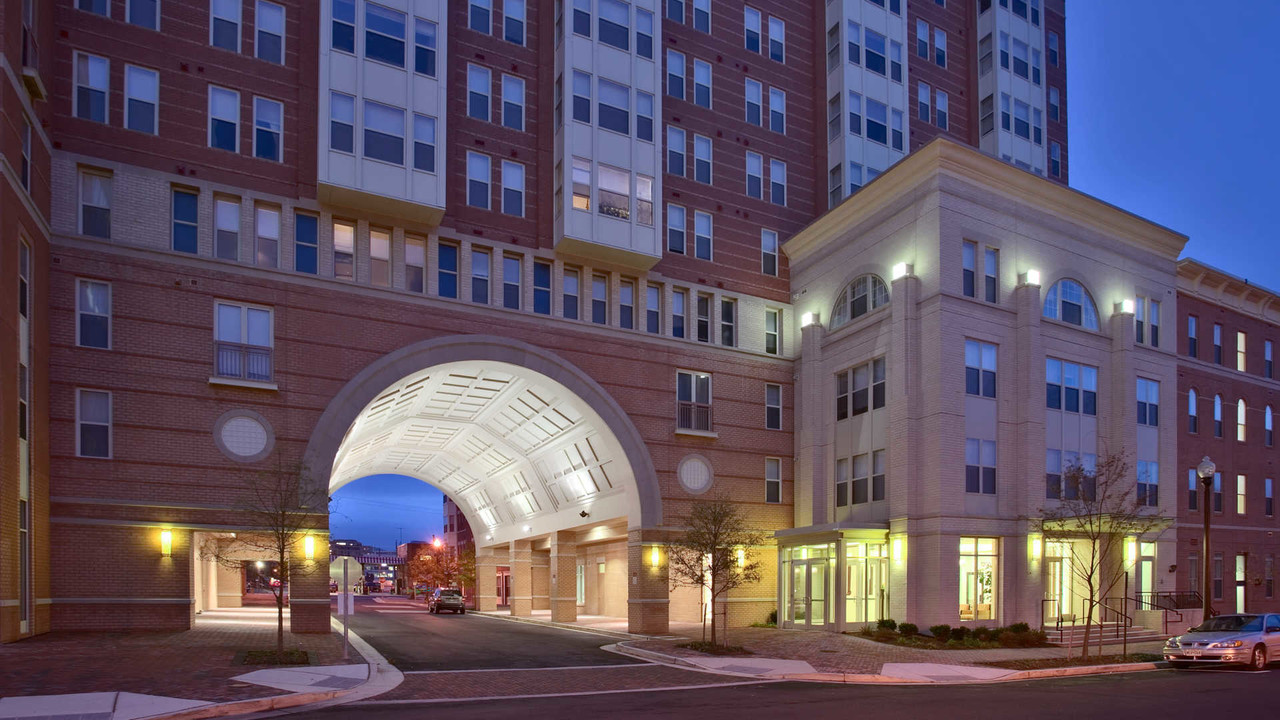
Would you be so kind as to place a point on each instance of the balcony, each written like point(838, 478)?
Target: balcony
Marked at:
point(30, 66)
point(236, 361)
point(694, 418)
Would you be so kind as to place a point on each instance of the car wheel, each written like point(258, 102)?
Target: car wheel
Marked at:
point(1258, 660)
point(1176, 665)
point(462, 612)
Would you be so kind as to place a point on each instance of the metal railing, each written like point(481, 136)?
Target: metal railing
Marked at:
point(242, 362)
point(694, 416)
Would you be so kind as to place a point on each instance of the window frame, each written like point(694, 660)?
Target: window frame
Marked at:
point(238, 22)
point(81, 313)
point(109, 424)
point(212, 118)
point(258, 31)
point(128, 98)
point(278, 132)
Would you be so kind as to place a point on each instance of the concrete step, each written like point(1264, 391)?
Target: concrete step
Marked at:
point(1073, 636)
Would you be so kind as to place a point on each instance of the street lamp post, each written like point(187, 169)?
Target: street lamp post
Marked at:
point(1206, 470)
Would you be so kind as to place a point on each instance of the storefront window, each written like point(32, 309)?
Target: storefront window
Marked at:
point(866, 581)
point(979, 559)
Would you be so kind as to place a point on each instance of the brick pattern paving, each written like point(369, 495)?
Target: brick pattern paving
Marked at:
point(197, 664)
point(546, 681)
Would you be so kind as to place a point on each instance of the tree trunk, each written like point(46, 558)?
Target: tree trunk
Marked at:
point(280, 605)
point(713, 619)
point(1088, 626)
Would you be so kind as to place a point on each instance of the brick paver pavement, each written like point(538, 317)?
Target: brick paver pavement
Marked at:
point(547, 681)
point(197, 664)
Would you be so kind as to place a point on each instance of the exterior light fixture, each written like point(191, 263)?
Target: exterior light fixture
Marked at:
point(900, 270)
point(1033, 277)
point(259, 564)
point(1126, 306)
point(525, 528)
point(742, 557)
point(436, 542)
point(809, 318)
point(166, 543)
point(309, 547)
point(1034, 546)
point(655, 556)
point(584, 513)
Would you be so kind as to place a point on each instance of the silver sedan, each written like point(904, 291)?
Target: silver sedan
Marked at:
point(1247, 639)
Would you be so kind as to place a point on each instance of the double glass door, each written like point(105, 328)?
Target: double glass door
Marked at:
point(807, 593)
point(866, 581)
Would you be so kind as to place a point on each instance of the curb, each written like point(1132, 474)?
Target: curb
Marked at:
point(641, 654)
point(617, 635)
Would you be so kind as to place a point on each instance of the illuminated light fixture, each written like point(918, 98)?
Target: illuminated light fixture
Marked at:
point(1033, 277)
point(897, 549)
point(525, 528)
point(259, 564)
point(742, 557)
point(655, 556)
point(1033, 544)
point(900, 270)
point(436, 542)
point(809, 318)
point(166, 543)
point(1126, 306)
point(1132, 550)
point(309, 547)
point(489, 536)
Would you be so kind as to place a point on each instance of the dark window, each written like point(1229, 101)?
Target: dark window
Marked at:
point(305, 252)
point(384, 35)
point(447, 273)
point(542, 288)
point(185, 222)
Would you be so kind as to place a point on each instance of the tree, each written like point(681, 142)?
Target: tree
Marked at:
point(280, 507)
point(715, 553)
point(442, 566)
point(1099, 509)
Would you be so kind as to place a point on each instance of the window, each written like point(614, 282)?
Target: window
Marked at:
point(1055, 105)
point(478, 175)
point(242, 342)
point(863, 295)
point(627, 305)
point(224, 32)
point(653, 309)
point(860, 389)
point(751, 29)
point(478, 81)
point(979, 368)
point(1055, 159)
point(342, 122)
point(777, 182)
point(424, 47)
point(1148, 483)
point(1021, 119)
point(644, 34)
point(702, 15)
point(383, 132)
point(772, 406)
point(877, 122)
point(1148, 402)
point(1270, 437)
point(480, 276)
point(772, 331)
point(728, 322)
point(897, 135)
point(1241, 484)
point(874, 48)
point(1217, 576)
point(384, 30)
point(703, 310)
point(1069, 302)
point(615, 24)
point(343, 34)
point(541, 287)
point(447, 271)
point(984, 54)
point(1193, 499)
point(987, 115)
point(142, 98)
point(1217, 416)
point(1217, 492)
point(512, 188)
point(93, 314)
point(1070, 387)
point(979, 466)
point(702, 83)
point(513, 21)
point(853, 42)
point(570, 297)
point(702, 159)
point(1020, 65)
point(693, 398)
point(675, 10)
point(614, 107)
point(269, 44)
point(1053, 49)
point(777, 40)
point(581, 97)
point(266, 237)
point(600, 299)
point(380, 257)
point(415, 264)
point(991, 271)
point(95, 204)
point(24, 171)
point(343, 250)
point(1053, 474)
point(969, 261)
point(97, 7)
point(1193, 342)
point(777, 110)
point(268, 126)
point(226, 229)
point(773, 480)
point(940, 47)
point(834, 186)
point(513, 102)
point(675, 228)
point(979, 563)
point(702, 235)
point(755, 176)
point(833, 47)
point(943, 108)
point(511, 282)
point(678, 310)
point(855, 122)
point(923, 110)
point(922, 39)
point(1241, 420)
point(644, 200)
point(93, 424)
point(424, 143)
point(769, 252)
point(1217, 344)
point(224, 119)
point(582, 17)
point(185, 217)
point(613, 194)
point(675, 74)
point(1267, 366)
point(1006, 114)
point(1193, 413)
point(1269, 508)
point(1268, 576)
point(1241, 355)
point(644, 116)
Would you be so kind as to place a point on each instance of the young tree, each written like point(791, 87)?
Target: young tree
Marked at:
point(280, 508)
point(706, 554)
point(442, 566)
point(1099, 509)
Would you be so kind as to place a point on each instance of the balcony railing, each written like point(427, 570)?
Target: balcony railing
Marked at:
point(242, 362)
point(694, 416)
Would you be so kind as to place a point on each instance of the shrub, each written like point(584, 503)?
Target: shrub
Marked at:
point(941, 632)
point(1020, 628)
point(959, 633)
point(773, 617)
point(908, 629)
point(996, 633)
point(887, 624)
point(982, 633)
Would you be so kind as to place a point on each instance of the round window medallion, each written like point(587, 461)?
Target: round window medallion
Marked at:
point(243, 435)
point(695, 474)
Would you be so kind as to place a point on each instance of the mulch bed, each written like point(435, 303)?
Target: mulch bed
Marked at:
point(1042, 663)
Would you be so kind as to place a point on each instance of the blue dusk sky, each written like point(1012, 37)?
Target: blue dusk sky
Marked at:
point(1171, 116)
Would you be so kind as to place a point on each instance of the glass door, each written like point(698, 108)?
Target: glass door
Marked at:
point(817, 593)
point(797, 604)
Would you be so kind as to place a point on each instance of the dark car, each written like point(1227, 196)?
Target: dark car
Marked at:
point(446, 599)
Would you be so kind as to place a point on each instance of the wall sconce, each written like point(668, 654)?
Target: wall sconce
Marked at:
point(525, 528)
point(1126, 306)
point(309, 547)
point(897, 550)
point(1173, 568)
point(809, 318)
point(655, 556)
point(742, 557)
point(1131, 550)
point(900, 270)
point(166, 543)
point(1034, 546)
point(1033, 277)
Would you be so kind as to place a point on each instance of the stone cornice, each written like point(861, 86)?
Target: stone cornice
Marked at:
point(1222, 288)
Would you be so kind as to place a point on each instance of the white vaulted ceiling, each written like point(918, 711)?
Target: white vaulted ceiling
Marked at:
point(512, 447)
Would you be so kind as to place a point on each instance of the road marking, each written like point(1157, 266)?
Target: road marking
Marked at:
point(491, 698)
point(559, 667)
point(419, 612)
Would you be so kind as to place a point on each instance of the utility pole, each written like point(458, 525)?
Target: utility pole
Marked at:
point(399, 535)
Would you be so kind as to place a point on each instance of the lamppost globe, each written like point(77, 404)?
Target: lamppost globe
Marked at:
point(1206, 468)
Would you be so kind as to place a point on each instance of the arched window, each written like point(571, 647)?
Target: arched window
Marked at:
point(1193, 419)
point(1240, 420)
point(863, 295)
point(1267, 426)
point(1217, 416)
point(1069, 302)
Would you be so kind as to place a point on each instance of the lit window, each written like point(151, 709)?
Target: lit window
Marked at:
point(1241, 355)
point(1242, 420)
point(581, 184)
point(979, 581)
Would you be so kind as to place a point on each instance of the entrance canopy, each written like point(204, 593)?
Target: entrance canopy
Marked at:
point(520, 453)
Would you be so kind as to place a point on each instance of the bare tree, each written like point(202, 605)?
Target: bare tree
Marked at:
point(715, 553)
point(1099, 509)
point(280, 508)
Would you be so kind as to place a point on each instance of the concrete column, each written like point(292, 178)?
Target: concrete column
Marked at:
point(309, 587)
point(487, 579)
point(521, 578)
point(564, 577)
point(540, 573)
point(811, 484)
point(648, 594)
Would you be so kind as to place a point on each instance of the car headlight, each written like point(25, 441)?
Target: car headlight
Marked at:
point(1228, 644)
point(1171, 642)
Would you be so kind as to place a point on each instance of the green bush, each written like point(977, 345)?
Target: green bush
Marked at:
point(1020, 628)
point(908, 629)
point(941, 632)
point(996, 633)
point(773, 617)
point(982, 633)
point(959, 633)
point(887, 624)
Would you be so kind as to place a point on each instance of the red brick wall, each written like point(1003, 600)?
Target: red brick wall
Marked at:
point(1055, 20)
point(959, 79)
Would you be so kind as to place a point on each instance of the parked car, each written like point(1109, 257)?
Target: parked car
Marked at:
point(1251, 640)
point(447, 599)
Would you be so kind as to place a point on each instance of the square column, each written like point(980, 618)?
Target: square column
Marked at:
point(648, 594)
point(521, 578)
point(564, 577)
point(540, 567)
point(487, 578)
